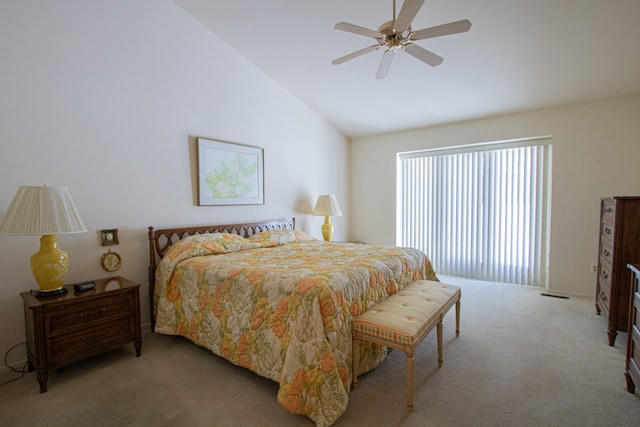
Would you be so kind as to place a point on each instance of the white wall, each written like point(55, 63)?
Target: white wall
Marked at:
point(596, 147)
point(106, 98)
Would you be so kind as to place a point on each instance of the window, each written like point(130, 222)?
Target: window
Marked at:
point(479, 211)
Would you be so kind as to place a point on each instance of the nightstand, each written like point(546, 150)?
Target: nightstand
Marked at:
point(68, 328)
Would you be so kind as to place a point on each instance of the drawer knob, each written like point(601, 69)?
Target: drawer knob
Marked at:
point(607, 230)
point(609, 209)
point(605, 275)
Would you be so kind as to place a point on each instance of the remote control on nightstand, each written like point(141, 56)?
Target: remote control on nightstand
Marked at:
point(84, 286)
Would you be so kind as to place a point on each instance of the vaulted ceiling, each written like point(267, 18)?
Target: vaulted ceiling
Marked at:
point(518, 55)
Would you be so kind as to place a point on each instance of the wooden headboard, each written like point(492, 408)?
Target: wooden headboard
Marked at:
point(161, 240)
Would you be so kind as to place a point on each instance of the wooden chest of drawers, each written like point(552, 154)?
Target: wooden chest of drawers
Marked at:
point(65, 329)
point(619, 246)
point(632, 365)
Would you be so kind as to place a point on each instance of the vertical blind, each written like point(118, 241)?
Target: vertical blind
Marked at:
point(479, 213)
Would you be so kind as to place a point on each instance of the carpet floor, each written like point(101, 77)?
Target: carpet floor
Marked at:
point(522, 359)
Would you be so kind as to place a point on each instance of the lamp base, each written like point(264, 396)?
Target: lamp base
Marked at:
point(327, 229)
point(51, 293)
point(50, 264)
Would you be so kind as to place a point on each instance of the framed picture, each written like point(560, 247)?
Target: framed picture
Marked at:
point(109, 237)
point(229, 174)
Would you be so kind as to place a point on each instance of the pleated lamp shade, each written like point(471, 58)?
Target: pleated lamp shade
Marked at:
point(42, 210)
point(327, 205)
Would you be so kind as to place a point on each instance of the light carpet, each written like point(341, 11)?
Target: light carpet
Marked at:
point(522, 359)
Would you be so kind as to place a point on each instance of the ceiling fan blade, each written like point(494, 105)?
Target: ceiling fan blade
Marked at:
point(351, 28)
point(355, 54)
point(423, 55)
point(385, 64)
point(408, 11)
point(442, 30)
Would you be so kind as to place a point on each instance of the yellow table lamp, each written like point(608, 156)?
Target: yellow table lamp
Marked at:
point(45, 211)
point(327, 206)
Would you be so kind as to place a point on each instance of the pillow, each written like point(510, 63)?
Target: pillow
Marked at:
point(279, 237)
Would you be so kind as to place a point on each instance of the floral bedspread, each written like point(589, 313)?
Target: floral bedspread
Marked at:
point(281, 304)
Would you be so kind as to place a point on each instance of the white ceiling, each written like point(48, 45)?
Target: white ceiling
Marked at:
point(519, 55)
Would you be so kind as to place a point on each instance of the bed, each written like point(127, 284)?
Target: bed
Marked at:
point(278, 302)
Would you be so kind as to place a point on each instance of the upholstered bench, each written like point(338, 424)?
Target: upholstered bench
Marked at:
point(404, 319)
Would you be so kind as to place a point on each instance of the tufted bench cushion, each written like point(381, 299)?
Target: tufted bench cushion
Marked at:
point(403, 320)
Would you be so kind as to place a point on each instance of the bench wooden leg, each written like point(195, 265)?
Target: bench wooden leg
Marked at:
point(439, 328)
point(409, 382)
point(458, 318)
point(354, 364)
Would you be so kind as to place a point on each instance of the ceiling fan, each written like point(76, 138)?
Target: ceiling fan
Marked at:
point(397, 35)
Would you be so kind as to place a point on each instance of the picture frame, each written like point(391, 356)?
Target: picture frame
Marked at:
point(229, 173)
point(109, 237)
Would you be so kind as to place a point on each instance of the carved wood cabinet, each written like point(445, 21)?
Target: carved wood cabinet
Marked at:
point(65, 329)
point(619, 246)
point(632, 364)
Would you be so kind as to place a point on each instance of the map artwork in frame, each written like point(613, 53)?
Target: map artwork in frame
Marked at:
point(229, 174)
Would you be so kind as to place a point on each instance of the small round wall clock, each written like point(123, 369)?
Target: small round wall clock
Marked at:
point(109, 237)
point(111, 261)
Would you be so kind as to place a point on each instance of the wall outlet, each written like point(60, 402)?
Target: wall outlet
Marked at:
point(594, 268)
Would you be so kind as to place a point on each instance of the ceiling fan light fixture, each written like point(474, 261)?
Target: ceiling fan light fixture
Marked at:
point(394, 41)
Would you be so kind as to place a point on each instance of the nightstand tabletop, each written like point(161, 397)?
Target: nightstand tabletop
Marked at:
point(104, 285)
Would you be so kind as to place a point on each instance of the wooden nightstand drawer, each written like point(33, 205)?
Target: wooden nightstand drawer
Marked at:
point(79, 345)
point(71, 327)
point(69, 317)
